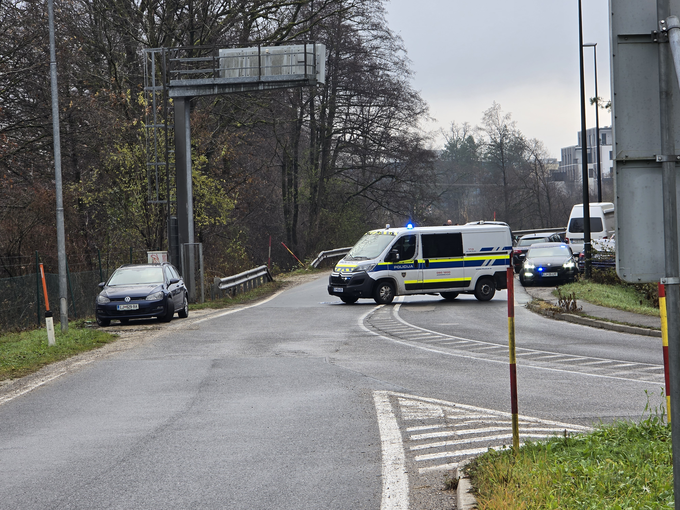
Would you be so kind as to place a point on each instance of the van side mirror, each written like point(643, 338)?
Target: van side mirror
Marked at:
point(392, 256)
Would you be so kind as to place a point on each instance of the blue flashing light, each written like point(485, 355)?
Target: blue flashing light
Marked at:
point(540, 269)
point(409, 225)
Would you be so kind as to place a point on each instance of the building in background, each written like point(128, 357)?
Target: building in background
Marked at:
point(569, 169)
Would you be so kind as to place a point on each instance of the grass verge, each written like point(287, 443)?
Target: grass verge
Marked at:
point(27, 352)
point(619, 296)
point(619, 466)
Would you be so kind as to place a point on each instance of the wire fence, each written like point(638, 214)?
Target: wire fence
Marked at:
point(22, 300)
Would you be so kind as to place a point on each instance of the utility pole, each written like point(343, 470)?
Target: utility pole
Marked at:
point(61, 235)
point(584, 152)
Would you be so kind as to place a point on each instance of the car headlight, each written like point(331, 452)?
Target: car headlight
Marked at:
point(569, 264)
point(102, 299)
point(364, 267)
point(156, 296)
point(529, 265)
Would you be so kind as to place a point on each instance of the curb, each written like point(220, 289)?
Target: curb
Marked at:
point(465, 499)
point(595, 323)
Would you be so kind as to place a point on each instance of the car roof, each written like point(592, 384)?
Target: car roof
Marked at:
point(148, 264)
point(534, 236)
point(548, 245)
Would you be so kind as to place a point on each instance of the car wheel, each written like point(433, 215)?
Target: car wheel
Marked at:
point(169, 311)
point(449, 296)
point(103, 322)
point(383, 293)
point(184, 312)
point(349, 300)
point(485, 289)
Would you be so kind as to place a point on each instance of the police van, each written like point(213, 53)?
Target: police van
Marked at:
point(447, 260)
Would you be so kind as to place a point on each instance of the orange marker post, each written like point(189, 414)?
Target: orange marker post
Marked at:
point(293, 254)
point(664, 337)
point(49, 322)
point(513, 359)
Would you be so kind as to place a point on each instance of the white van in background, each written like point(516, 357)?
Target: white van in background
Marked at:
point(602, 224)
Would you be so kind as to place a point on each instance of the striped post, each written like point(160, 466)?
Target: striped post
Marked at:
point(513, 359)
point(664, 337)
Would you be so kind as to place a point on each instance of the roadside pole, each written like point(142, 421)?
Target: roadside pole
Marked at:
point(61, 233)
point(513, 359)
point(293, 254)
point(664, 337)
point(670, 217)
point(49, 321)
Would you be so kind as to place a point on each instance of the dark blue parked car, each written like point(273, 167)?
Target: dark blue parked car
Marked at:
point(550, 263)
point(137, 291)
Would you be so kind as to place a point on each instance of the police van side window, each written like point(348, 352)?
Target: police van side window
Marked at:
point(438, 246)
point(406, 247)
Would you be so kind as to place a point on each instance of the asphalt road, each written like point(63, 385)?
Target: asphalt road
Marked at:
point(302, 402)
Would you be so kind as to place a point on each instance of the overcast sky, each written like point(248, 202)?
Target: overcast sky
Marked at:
point(522, 54)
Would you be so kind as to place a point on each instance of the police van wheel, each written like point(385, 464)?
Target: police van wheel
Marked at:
point(349, 300)
point(449, 296)
point(383, 293)
point(485, 289)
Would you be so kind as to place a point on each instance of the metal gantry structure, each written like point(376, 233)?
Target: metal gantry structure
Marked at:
point(172, 78)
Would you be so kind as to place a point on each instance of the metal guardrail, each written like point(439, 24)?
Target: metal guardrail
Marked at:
point(546, 230)
point(329, 254)
point(248, 279)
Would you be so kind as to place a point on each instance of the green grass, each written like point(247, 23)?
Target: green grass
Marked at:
point(619, 466)
point(619, 296)
point(27, 352)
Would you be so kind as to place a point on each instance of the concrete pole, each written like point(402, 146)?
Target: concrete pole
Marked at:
point(61, 235)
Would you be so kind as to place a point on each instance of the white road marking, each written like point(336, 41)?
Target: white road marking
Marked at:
point(37, 384)
point(493, 429)
point(394, 477)
point(234, 310)
point(538, 356)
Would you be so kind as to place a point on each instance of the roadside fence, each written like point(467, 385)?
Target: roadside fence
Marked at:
point(21, 294)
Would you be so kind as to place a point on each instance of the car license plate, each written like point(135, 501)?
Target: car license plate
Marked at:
point(337, 289)
point(130, 306)
point(549, 274)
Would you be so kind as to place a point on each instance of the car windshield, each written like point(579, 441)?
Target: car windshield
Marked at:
point(533, 240)
point(370, 245)
point(137, 276)
point(553, 251)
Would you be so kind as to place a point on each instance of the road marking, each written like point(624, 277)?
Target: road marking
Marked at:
point(394, 477)
point(234, 310)
point(386, 323)
point(30, 387)
point(473, 430)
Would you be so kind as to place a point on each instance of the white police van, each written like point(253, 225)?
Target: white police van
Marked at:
point(447, 260)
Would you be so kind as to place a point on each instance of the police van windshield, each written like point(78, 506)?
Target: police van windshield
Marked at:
point(370, 245)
